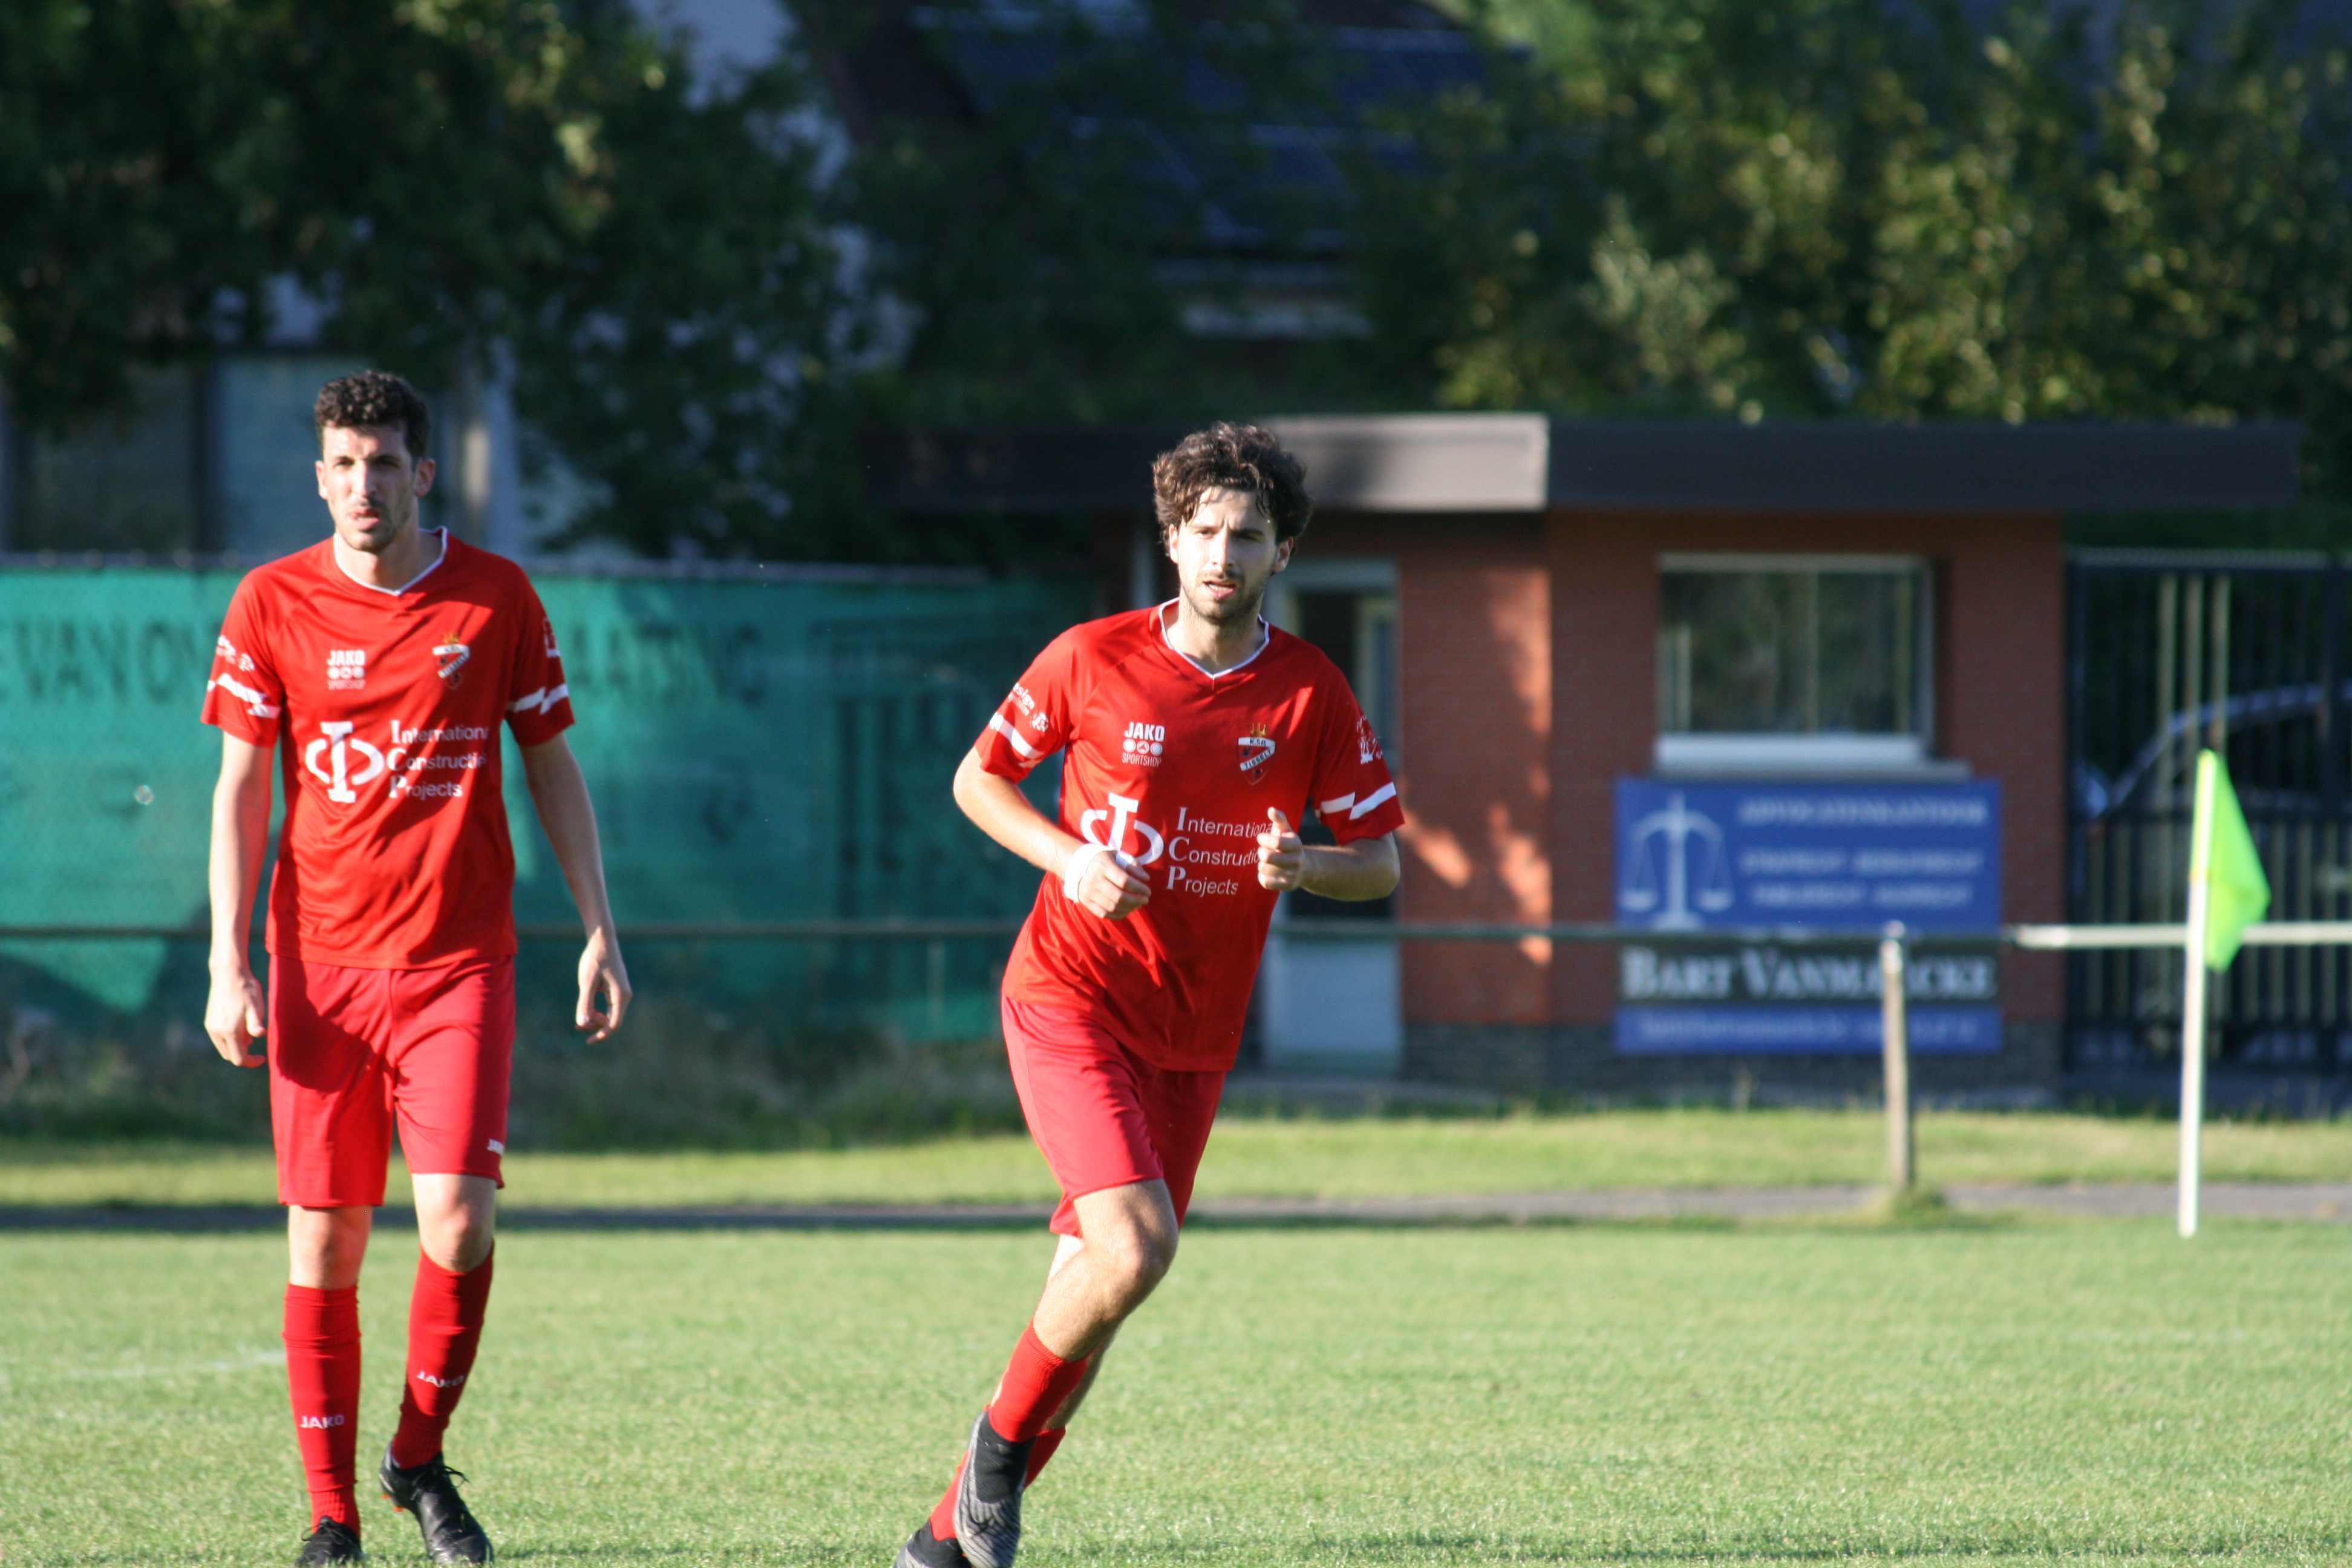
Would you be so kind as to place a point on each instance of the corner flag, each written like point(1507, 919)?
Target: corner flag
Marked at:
point(2227, 893)
point(2222, 855)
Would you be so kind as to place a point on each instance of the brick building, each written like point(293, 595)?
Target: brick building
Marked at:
point(1534, 610)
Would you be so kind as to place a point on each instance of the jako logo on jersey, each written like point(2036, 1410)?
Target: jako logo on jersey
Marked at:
point(337, 776)
point(346, 668)
point(1143, 745)
point(320, 1423)
point(1257, 750)
point(448, 660)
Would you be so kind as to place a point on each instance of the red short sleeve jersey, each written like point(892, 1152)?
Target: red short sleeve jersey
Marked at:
point(395, 852)
point(1176, 768)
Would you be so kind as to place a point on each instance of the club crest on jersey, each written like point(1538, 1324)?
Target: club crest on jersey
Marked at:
point(1257, 750)
point(346, 668)
point(1143, 745)
point(1368, 744)
point(448, 660)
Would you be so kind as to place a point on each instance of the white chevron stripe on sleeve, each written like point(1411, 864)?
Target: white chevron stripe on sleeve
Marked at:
point(996, 722)
point(544, 700)
point(247, 695)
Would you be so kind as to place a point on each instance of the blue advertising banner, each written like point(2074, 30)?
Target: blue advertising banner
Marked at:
point(1697, 857)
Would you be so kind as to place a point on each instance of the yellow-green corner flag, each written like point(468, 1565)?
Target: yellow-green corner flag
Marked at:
point(2222, 855)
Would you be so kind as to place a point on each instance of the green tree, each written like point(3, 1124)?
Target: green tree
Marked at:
point(135, 181)
point(455, 180)
point(1841, 206)
point(1081, 185)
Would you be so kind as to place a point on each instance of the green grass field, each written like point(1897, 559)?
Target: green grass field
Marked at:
point(1254, 1156)
point(2094, 1392)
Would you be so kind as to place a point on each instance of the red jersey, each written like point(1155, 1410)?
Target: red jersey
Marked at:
point(395, 852)
point(1175, 768)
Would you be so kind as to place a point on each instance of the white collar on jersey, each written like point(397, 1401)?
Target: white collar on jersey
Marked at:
point(440, 534)
point(1265, 641)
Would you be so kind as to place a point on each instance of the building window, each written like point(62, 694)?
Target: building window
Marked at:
point(1812, 663)
point(1346, 607)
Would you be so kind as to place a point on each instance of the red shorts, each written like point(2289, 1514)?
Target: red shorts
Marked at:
point(352, 1050)
point(1102, 1116)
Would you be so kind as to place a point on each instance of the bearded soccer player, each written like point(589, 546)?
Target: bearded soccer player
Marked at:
point(1195, 736)
point(380, 663)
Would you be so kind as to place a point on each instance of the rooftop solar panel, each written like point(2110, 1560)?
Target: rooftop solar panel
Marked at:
point(1263, 166)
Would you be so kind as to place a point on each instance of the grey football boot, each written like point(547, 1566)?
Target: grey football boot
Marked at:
point(924, 1550)
point(988, 1498)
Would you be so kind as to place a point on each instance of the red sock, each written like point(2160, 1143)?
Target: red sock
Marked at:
point(943, 1516)
point(322, 1373)
point(1047, 1441)
point(1036, 1381)
point(445, 1329)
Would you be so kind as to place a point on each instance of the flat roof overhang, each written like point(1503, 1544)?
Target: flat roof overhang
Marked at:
point(1503, 463)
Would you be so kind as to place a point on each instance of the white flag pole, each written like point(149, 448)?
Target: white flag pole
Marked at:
point(2192, 1052)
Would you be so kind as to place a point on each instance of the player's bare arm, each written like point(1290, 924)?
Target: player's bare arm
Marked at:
point(1351, 872)
point(559, 792)
point(996, 806)
point(234, 1006)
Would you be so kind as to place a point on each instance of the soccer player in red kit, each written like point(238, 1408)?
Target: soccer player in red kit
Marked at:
point(380, 663)
point(1195, 736)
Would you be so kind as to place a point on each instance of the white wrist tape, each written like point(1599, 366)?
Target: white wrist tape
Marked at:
point(1076, 866)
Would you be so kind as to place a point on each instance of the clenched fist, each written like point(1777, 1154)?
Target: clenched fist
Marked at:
point(1281, 859)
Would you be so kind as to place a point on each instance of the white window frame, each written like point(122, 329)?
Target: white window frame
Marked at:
point(1370, 575)
point(1735, 754)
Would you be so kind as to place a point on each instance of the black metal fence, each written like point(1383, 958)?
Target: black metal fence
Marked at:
point(2172, 652)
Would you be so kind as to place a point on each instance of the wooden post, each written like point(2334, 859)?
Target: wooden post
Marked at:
point(1895, 1047)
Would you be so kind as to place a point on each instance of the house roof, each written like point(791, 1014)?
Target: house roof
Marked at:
point(958, 65)
point(1503, 463)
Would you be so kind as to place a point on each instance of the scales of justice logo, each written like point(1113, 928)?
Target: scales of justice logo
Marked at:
point(1677, 867)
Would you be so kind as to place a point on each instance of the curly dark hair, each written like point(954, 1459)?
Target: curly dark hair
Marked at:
point(375, 397)
point(1231, 458)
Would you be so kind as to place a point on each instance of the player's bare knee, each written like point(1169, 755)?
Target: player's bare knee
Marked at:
point(456, 1220)
point(1134, 1259)
point(458, 1240)
point(457, 1237)
point(326, 1246)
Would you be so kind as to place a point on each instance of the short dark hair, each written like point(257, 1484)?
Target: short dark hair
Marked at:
point(1232, 458)
point(370, 398)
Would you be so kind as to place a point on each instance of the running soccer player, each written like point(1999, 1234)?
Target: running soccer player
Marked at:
point(1195, 736)
point(380, 663)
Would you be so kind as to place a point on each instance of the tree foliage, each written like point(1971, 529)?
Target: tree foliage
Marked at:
point(456, 180)
point(1102, 174)
point(1713, 207)
point(1843, 207)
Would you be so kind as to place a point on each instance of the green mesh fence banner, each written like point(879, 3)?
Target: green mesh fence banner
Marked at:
point(758, 751)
